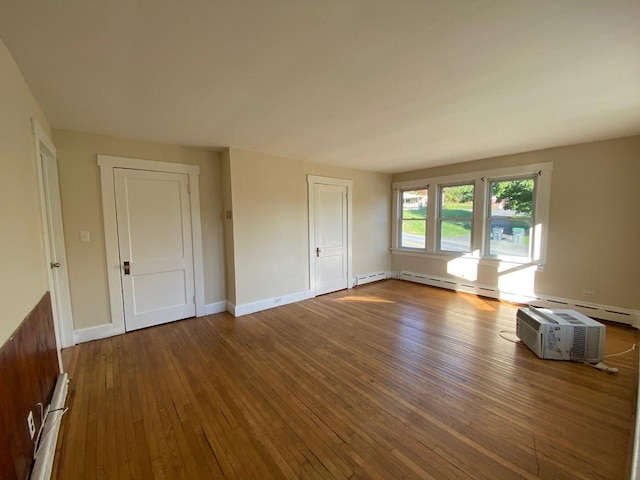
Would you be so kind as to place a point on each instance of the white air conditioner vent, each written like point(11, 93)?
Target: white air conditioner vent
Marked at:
point(570, 318)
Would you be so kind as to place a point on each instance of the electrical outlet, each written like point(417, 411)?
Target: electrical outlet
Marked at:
point(32, 425)
point(588, 293)
point(277, 300)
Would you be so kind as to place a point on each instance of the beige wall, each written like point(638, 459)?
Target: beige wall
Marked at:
point(593, 223)
point(371, 216)
point(270, 223)
point(82, 210)
point(23, 276)
point(269, 226)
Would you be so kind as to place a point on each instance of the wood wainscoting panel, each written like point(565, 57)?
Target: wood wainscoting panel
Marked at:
point(28, 372)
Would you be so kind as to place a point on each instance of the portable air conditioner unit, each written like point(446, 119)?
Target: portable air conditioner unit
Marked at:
point(561, 334)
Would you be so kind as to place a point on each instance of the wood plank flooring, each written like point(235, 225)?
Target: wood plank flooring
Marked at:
point(388, 380)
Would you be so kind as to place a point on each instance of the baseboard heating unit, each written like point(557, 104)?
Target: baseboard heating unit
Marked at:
point(561, 334)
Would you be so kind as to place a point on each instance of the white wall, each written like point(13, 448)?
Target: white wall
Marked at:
point(23, 276)
point(593, 224)
point(270, 225)
point(82, 210)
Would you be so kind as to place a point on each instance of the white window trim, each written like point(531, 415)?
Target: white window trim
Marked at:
point(439, 219)
point(479, 234)
point(488, 217)
point(396, 224)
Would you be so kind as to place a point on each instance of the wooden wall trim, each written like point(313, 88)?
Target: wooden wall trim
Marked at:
point(28, 369)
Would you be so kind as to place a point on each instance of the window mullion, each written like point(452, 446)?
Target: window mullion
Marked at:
point(432, 223)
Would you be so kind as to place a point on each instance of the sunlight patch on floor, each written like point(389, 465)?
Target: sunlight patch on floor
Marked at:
point(364, 299)
point(479, 303)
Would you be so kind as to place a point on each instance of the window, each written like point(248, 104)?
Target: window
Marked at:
point(494, 215)
point(510, 217)
point(455, 218)
point(414, 218)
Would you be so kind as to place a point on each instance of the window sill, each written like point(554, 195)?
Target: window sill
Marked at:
point(486, 261)
point(439, 255)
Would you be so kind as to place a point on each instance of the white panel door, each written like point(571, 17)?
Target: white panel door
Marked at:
point(156, 251)
point(58, 279)
point(330, 231)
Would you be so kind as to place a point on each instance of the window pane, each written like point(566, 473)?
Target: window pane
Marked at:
point(414, 215)
point(511, 211)
point(457, 202)
point(414, 204)
point(510, 236)
point(413, 234)
point(455, 236)
point(512, 197)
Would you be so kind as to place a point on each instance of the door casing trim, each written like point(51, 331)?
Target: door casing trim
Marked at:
point(107, 164)
point(59, 290)
point(312, 180)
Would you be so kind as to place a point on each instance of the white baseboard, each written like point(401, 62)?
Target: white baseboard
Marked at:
point(93, 333)
point(217, 307)
point(594, 310)
point(247, 308)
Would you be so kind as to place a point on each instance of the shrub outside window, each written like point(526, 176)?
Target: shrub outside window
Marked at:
point(455, 218)
point(414, 218)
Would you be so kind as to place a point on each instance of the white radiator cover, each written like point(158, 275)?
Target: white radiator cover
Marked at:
point(371, 277)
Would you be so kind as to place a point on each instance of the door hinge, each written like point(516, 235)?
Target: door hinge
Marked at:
point(189, 188)
point(194, 299)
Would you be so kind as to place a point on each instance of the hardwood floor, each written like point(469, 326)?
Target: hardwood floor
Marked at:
point(388, 380)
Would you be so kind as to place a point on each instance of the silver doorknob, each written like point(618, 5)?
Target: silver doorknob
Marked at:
point(55, 265)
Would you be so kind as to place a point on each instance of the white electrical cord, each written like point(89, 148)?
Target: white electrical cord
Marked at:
point(598, 366)
point(38, 444)
point(43, 417)
point(621, 353)
point(501, 332)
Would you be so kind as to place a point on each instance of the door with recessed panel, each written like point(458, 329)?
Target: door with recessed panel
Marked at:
point(155, 243)
point(330, 232)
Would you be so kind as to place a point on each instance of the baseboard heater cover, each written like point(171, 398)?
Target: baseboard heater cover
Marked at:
point(370, 277)
point(43, 464)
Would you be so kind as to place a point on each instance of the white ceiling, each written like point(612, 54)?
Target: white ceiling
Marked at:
point(384, 85)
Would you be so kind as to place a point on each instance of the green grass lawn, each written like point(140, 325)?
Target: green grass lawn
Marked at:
point(449, 229)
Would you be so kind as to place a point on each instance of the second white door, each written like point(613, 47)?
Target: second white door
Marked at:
point(330, 232)
point(155, 244)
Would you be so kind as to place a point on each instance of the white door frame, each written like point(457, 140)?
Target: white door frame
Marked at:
point(51, 218)
point(107, 165)
point(312, 180)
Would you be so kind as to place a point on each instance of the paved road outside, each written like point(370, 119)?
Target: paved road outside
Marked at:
point(505, 246)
